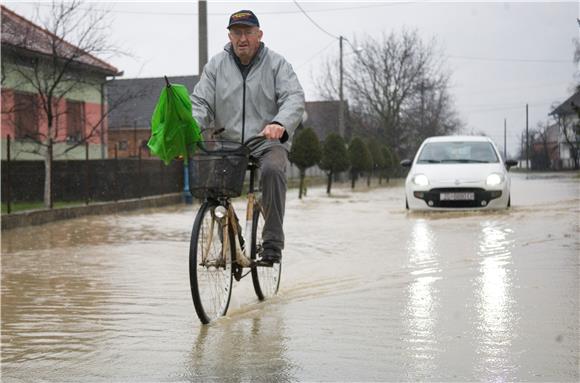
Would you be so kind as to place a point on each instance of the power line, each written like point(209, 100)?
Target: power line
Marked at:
point(262, 13)
point(509, 59)
point(315, 55)
point(467, 89)
point(493, 108)
point(314, 22)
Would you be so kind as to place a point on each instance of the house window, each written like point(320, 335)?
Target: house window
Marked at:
point(74, 121)
point(123, 145)
point(25, 116)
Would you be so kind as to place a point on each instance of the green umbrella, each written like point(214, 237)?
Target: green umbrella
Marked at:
point(174, 132)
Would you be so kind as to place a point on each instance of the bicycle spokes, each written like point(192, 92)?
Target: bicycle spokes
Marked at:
point(210, 266)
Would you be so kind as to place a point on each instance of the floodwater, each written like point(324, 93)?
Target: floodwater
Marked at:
point(369, 293)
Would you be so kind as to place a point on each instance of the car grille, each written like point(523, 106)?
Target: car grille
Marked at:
point(481, 197)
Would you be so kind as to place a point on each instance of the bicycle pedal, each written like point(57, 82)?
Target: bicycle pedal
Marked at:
point(262, 263)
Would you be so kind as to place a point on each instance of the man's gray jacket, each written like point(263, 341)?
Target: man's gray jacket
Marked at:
point(243, 107)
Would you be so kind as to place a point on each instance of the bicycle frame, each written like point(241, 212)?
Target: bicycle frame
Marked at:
point(231, 222)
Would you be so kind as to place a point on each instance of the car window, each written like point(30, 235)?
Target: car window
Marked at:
point(457, 152)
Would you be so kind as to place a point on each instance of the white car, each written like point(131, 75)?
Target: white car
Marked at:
point(456, 173)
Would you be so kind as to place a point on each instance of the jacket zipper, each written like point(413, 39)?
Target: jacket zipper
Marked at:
point(244, 109)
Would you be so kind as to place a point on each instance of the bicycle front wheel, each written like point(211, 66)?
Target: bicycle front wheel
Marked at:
point(266, 280)
point(210, 267)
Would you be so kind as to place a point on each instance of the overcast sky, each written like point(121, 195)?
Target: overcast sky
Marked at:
point(501, 55)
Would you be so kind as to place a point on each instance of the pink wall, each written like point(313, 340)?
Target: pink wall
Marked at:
point(92, 113)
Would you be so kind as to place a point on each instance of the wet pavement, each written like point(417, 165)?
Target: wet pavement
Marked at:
point(369, 293)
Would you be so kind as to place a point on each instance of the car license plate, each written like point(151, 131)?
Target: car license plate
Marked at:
point(468, 196)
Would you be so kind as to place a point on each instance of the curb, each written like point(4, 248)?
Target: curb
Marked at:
point(39, 217)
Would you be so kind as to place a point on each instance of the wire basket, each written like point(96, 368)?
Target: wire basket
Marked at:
point(218, 169)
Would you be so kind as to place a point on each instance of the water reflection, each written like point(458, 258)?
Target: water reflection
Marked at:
point(422, 302)
point(242, 349)
point(495, 305)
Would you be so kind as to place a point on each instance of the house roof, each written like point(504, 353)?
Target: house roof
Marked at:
point(322, 117)
point(23, 34)
point(565, 108)
point(142, 95)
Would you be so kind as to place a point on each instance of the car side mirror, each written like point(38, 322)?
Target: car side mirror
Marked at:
point(510, 163)
point(406, 163)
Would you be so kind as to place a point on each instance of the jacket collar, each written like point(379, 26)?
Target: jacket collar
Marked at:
point(259, 55)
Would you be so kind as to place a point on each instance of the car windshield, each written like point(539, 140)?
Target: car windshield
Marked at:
point(457, 152)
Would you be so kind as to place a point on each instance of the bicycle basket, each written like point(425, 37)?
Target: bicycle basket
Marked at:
point(218, 169)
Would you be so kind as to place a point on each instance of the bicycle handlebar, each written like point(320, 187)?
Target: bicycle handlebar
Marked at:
point(260, 138)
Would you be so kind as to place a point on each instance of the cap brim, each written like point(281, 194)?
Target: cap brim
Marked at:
point(248, 23)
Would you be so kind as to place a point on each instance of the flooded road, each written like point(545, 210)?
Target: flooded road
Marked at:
point(369, 292)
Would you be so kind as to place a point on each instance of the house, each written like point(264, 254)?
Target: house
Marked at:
point(28, 59)
point(130, 121)
point(322, 117)
point(565, 134)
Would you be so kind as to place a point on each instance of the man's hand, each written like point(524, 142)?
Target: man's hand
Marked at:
point(273, 131)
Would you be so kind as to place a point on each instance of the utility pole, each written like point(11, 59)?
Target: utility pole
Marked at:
point(527, 142)
point(340, 94)
point(202, 44)
point(505, 139)
point(422, 127)
point(202, 21)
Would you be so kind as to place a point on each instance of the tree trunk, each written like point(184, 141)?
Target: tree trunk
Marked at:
point(301, 187)
point(329, 183)
point(353, 179)
point(369, 179)
point(48, 176)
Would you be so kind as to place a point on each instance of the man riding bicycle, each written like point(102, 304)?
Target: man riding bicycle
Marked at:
point(249, 90)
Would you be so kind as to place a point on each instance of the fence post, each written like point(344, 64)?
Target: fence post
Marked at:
point(8, 180)
point(87, 174)
point(187, 197)
point(116, 176)
point(139, 174)
point(162, 188)
point(51, 177)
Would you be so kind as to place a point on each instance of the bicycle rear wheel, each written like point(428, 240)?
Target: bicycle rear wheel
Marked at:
point(210, 268)
point(266, 280)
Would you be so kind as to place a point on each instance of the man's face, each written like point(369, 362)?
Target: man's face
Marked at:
point(245, 40)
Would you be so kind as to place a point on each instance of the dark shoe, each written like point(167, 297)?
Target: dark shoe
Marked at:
point(270, 256)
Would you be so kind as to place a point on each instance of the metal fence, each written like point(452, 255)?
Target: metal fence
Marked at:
point(89, 180)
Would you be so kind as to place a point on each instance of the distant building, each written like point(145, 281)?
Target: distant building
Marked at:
point(566, 121)
point(130, 122)
point(81, 111)
point(322, 117)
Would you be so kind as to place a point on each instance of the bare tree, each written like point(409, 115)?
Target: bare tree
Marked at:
point(56, 62)
point(387, 81)
point(577, 62)
point(540, 147)
point(430, 113)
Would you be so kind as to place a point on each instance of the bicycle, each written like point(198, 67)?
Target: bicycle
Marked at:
point(218, 249)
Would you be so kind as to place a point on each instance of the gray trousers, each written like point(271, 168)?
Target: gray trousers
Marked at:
point(273, 184)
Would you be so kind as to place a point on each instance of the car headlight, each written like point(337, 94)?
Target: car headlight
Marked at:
point(494, 179)
point(421, 180)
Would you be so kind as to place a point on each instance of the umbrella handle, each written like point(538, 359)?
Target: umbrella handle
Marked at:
point(167, 82)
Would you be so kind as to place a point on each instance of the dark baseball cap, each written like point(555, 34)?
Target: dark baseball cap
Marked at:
point(244, 17)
